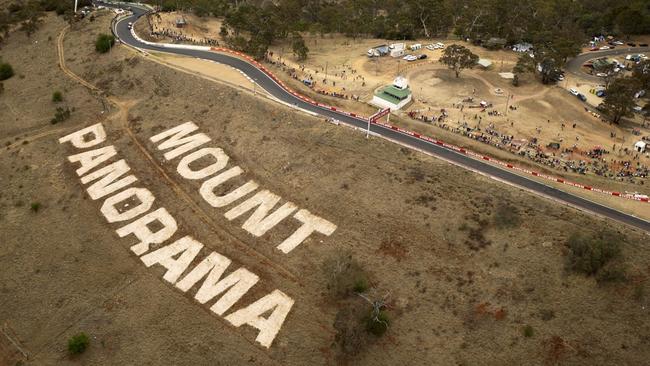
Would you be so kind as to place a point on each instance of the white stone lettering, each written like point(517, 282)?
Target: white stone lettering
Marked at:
point(113, 215)
point(269, 327)
point(87, 137)
point(207, 188)
point(214, 265)
point(310, 223)
point(260, 221)
point(220, 163)
point(107, 184)
point(141, 230)
point(177, 137)
point(92, 158)
point(187, 247)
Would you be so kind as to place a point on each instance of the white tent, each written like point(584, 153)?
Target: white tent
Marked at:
point(485, 62)
point(640, 146)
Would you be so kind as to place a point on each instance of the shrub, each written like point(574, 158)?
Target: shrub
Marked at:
point(6, 71)
point(344, 275)
point(60, 115)
point(78, 343)
point(361, 285)
point(613, 272)
point(35, 206)
point(589, 253)
point(57, 97)
point(104, 43)
point(378, 325)
point(528, 331)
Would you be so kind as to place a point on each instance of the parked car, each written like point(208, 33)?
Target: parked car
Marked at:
point(410, 58)
point(422, 57)
point(601, 74)
point(573, 92)
point(631, 44)
point(582, 97)
point(601, 93)
point(594, 49)
point(605, 47)
point(643, 45)
point(618, 43)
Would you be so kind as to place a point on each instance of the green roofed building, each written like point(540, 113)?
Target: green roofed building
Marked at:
point(393, 96)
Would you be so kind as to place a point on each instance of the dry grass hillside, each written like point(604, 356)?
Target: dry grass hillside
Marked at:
point(472, 271)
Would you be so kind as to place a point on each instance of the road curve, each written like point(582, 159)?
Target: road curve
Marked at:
point(574, 65)
point(122, 31)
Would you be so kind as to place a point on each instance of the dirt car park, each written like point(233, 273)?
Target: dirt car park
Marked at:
point(428, 237)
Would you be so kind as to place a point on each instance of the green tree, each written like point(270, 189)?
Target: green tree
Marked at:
point(78, 343)
point(458, 57)
point(57, 97)
point(104, 43)
point(630, 21)
point(300, 49)
point(548, 66)
point(6, 71)
point(619, 99)
point(641, 74)
point(588, 254)
point(525, 64)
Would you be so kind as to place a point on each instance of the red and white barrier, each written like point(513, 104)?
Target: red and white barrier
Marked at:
point(395, 128)
point(437, 142)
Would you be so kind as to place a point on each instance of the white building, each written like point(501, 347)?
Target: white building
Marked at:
point(393, 96)
point(640, 146)
point(397, 49)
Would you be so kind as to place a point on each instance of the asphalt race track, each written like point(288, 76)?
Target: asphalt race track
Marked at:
point(263, 80)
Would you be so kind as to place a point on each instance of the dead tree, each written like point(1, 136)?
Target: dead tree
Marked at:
point(377, 307)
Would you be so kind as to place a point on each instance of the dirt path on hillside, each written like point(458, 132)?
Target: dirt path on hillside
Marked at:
point(122, 117)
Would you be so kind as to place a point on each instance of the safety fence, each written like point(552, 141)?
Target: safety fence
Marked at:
point(251, 60)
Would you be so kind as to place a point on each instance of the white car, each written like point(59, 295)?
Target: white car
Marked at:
point(573, 92)
point(439, 45)
point(601, 75)
point(410, 58)
point(430, 47)
point(605, 48)
point(618, 43)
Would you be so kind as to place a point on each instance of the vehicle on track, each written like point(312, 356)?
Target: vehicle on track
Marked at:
point(573, 92)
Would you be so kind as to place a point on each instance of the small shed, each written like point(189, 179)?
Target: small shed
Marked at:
point(484, 63)
point(522, 47)
point(495, 43)
point(397, 52)
point(640, 146)
point(181, 22)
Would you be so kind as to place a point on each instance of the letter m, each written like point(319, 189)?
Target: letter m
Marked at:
point(235, 285)
point(177, 138)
